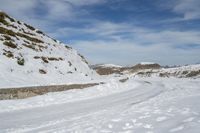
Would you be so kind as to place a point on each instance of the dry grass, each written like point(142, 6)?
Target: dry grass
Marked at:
point(12, 33)
point(8, 54)
point(10, 44)
point(193, 73)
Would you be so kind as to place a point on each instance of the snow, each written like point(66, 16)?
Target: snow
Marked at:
point(147, 63)
point(109, 65)
point(138, 105)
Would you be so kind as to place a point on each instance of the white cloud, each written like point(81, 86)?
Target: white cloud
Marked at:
point(139, 44)
point(17, 7)
point(127, 52)
point(190, 9)
point(54, 10)
point(84, 2)
point(125, 31)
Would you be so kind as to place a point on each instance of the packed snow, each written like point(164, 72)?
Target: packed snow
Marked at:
point(144, 105)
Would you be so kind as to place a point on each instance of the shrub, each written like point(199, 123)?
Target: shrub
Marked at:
point(30, 27)
point(8, 54)
point(2, 18)
point(19, 22)
point(10, 44)
point(61, 58)
point(7, 37)
point(20, 61)
point(7, 32)
point(53, 59)
point(13, 26)
point(69, 72)
point(83, 58)
point(193, 73)
point(70, 64)
point(26, 42)
point(45, 59)
point(36, 57)
point(184, 72)
point(42, 71)
point(12, 33)
point(29, 46)
point(67, 47)
point(40, 32)
point(29, 38)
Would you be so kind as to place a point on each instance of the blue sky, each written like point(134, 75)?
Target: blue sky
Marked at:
point(122, 32)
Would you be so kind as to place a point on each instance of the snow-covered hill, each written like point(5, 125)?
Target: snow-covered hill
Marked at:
point(29, 57)
point(189, 71)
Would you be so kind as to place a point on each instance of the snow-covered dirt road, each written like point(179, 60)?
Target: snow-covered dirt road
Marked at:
point(139, 105)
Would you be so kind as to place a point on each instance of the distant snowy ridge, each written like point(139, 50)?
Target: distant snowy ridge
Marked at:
point(109, 65)
point(147, 63)
point(189, 71)
point(28, 57)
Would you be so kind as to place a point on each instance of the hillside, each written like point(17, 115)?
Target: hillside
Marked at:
point(29, 57)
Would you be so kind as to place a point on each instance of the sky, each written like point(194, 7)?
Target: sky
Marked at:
point(123, 32)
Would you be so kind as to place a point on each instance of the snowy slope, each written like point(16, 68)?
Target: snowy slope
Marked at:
point(29, 57)
point(142, 105)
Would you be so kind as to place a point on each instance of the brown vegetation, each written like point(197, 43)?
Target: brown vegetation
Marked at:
point(10, 44)
point(12, 33)
point(30, 27)
point(8, 54)
point(20, 61)
point(193, 73)
point(47, 59)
